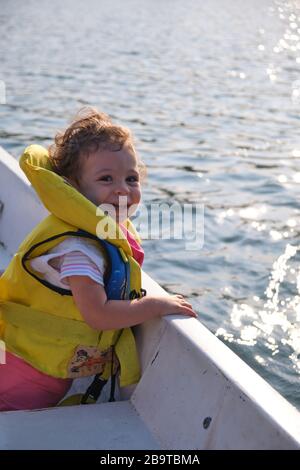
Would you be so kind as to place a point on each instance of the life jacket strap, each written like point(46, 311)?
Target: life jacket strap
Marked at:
point(93, 392)
point(45, 323)
point(113, 375)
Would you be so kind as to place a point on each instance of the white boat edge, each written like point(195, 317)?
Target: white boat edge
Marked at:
point(195, 393)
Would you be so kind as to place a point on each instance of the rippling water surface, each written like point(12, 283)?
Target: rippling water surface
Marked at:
point(211, 91)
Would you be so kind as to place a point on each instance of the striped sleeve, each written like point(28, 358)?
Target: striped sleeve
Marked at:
point(77, 263)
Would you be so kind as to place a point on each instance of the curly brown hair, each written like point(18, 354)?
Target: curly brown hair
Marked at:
point(90, 131)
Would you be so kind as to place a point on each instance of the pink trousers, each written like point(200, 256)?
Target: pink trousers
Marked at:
point(22, 387)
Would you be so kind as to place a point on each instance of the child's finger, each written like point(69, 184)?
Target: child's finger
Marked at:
point(186, 303)
point(189, 311)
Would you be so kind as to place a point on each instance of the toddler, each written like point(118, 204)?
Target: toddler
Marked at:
point(71, 293)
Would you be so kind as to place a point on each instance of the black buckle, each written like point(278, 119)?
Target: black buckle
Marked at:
point(93, 392)
point(137, 295)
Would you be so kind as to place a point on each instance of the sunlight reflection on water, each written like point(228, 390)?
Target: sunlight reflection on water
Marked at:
point(274, 320)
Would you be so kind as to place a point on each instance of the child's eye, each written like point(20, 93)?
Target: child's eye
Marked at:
point(132, 179)
point(105, 178)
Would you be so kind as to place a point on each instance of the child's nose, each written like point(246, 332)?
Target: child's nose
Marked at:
point(122, 189)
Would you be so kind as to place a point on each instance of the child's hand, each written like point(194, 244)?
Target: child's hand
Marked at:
point(171, 305)
point(103, 314)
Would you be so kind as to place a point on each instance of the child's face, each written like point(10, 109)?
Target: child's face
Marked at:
point(107, 175)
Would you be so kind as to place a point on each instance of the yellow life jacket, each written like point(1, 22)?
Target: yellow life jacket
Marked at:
point(38, 323)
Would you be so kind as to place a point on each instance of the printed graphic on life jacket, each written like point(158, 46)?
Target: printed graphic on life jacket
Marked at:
point(90, 361)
